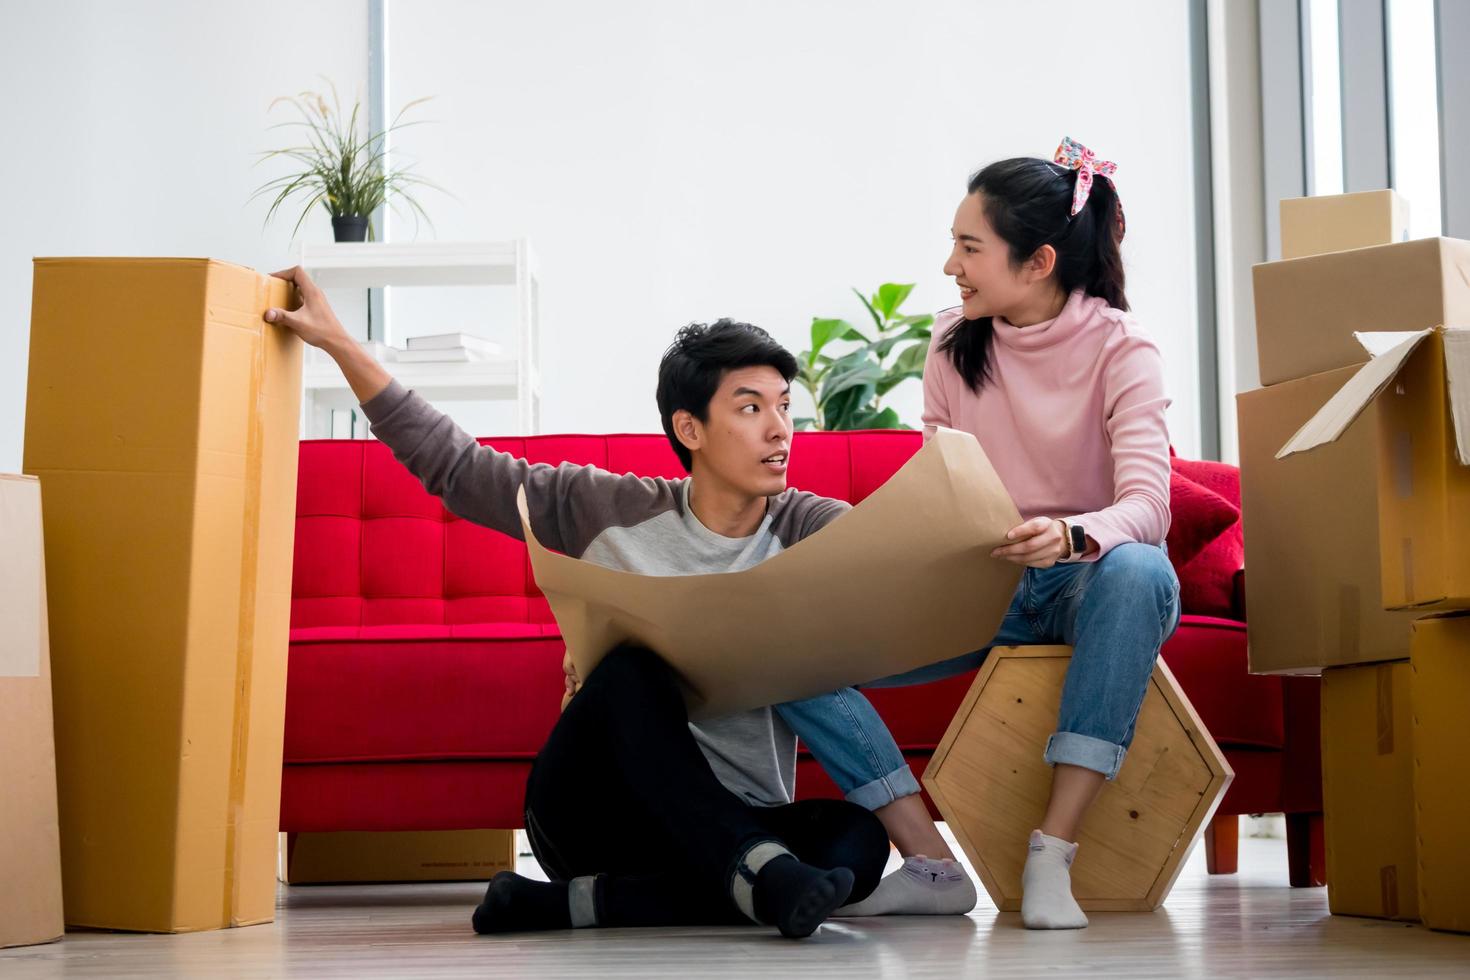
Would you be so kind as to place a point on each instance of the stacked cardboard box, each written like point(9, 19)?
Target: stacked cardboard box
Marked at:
point(1313, 225)
point(1314, 591)
point(30, 858)
point(1401, 433)
point(1440, 688)
point(162, 418)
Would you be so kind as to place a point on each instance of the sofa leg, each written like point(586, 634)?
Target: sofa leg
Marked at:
point(1222, 844)
point(1306, 850)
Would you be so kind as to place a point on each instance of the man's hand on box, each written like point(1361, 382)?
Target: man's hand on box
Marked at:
point(312, 320)
point(315, 323)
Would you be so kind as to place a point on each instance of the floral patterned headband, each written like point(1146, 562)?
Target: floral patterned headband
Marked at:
point(1075, 156)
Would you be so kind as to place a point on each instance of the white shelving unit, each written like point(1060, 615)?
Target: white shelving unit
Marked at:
point(514, 377)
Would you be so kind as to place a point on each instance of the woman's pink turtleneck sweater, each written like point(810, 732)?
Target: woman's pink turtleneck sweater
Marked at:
point(1072, 418)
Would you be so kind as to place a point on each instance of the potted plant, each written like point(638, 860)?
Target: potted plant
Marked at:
point(340, 168)
point(848, 389)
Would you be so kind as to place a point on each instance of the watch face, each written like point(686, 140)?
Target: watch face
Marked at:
point(1079, 538)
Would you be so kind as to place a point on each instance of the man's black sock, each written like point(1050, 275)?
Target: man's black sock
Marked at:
point(516, 904)
point(796, 897)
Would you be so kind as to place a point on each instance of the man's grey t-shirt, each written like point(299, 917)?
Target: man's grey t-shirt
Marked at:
point(620, 521)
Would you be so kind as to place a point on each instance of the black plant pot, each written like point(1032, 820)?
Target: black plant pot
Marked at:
point(350, 228)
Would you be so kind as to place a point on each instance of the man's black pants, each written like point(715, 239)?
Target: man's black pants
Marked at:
point(622, 791)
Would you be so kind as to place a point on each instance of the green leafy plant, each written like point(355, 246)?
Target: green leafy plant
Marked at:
point(848, 389)
point(341, 168)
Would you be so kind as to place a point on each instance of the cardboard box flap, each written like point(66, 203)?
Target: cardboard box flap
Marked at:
point(1380, 342)
point(1343, 408)
point(1457, 373)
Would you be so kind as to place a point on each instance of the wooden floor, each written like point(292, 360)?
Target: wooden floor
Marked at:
point(1245, 925)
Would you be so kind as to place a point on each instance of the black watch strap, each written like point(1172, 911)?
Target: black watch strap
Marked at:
point(1077, 539)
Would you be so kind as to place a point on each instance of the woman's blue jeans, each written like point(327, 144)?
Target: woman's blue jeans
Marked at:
point(1115, 613)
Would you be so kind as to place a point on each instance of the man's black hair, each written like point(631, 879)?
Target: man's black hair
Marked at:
point(698, 360)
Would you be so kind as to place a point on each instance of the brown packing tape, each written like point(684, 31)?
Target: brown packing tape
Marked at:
point(1388, 879)
point(1407, 557)
point(1385, 709)
point(235, 857)
point(272, 467)
point(1403, 462)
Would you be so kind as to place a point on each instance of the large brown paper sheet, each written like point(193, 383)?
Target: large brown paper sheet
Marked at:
point(903, 580)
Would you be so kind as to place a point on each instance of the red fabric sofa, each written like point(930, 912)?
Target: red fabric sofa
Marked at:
point(425, 665)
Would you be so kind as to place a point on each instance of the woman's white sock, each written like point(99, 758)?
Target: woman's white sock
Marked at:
point(923, 886)
point(1046, 885)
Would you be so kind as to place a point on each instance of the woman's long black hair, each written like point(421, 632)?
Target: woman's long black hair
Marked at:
point(1028, 202)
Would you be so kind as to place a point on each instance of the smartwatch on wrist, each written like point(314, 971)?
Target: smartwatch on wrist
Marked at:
point(1076, 539)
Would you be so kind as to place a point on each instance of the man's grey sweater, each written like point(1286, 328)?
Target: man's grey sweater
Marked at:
point(625, 522)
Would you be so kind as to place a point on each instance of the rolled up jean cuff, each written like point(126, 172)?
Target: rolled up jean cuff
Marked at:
point(1071, 749)
point(885, 789)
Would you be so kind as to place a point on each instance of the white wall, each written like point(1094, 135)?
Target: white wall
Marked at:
point(1240, 206)
point(132, 128)
point(671, 161)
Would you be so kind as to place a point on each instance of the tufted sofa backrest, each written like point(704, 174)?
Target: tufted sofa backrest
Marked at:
point(374, 549)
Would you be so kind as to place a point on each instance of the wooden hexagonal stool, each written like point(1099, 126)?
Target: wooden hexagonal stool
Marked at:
point(991, 783)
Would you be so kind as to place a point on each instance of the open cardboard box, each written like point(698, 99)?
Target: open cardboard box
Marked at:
point(1421, 383)
point(1315, 598)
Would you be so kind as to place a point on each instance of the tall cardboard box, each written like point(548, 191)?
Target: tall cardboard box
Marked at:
point(1337, 222)
point(30, 855)
point(1440, 696)
point(1307, 309)
point(1313, 586)
point(1368, 791)
point(1420, 385)
point(396, 856)
point(162, 417)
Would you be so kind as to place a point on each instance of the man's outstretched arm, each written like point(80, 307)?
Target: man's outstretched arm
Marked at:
point(569, 504)
point(315, 323)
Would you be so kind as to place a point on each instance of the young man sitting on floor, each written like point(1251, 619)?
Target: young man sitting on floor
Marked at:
point(713, 801)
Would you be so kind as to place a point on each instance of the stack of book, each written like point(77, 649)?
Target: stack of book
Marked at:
point(448, 347)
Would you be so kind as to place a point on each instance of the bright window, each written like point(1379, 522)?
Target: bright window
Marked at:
point(1325, 176)
point(1414, 112)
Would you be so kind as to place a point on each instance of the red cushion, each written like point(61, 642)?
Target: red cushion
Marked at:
point(392, 796)
point(1240, 709)
point(1207, 583)
point(421, 693)
point(1199, 515)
